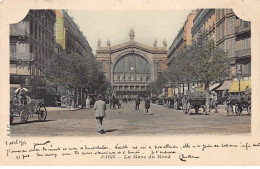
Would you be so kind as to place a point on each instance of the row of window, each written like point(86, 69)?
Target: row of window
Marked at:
point(237, 46)
point(221, 28)
point(220, 14)
point(118, 77)
point(232, 25)
point(40, 54)
point(44, 18)
point(36, 71)
point(221, 31)
point(129, 87)
point(243, 69)
point(41, 34)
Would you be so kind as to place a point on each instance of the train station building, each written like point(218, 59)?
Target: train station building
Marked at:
point(131, 66)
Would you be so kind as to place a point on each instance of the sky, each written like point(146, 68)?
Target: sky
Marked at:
point(115, 25)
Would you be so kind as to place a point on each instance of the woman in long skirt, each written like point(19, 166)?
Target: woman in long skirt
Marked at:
point(88, 103)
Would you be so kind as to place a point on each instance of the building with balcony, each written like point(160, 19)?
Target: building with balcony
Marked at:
point(184, 37)
point(205, 20)
point(69, 36)
point(31, 48)
point(234, 36)
point(131, 66)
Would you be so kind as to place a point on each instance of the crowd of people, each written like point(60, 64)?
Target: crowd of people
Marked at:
point(177, 102)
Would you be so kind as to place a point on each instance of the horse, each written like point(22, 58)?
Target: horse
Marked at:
point(239, 102)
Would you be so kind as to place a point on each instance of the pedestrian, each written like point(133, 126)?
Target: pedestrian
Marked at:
point(119, 104)
point(147, 106)
point(100, 108)
point(70, 103)
point(110, 102)
point(63, 101)
point(137, 102)
point(247, 96)
point(88, 100)
point(184, 103)
point(176, 101)
point(214, 102)
point(229, 104)
point(224, 96)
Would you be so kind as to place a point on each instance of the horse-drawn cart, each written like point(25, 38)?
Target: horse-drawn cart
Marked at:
point(33, 106)
point(194, 103)
point(195, 100)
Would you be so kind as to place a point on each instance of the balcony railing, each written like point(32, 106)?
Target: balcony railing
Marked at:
point(16, 31)
point(128, 89)
point(21, 56)
point(242, 29)
point(243, 52)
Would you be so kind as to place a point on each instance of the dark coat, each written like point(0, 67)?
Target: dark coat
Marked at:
point(147, 103)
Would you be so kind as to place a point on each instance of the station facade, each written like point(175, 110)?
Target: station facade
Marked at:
point(131, 66)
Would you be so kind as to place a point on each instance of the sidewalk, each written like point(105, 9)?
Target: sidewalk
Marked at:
point(61, 109)
point(221, 108)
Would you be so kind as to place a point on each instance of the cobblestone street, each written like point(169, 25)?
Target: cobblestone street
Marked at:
point(127, 121)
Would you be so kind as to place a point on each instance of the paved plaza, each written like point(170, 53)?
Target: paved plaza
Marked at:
point(129, 122)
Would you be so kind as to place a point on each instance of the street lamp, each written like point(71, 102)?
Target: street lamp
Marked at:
point(239, 72)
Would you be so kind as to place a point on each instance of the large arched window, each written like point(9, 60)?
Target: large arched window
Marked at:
point(132, 64)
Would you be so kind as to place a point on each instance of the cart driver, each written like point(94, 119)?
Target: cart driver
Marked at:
point(20, 93)
point(247, 96)
point(247, 91)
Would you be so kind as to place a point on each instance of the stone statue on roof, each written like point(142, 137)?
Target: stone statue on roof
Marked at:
point(155, 43)
point(164, 43)
point(132, 34)
point(99, 43)
point(108, 43)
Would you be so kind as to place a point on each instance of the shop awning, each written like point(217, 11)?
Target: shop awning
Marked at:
point(235, 86)
point(214, 86)
point(225, 86)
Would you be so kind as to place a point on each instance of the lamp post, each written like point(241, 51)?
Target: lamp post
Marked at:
point(239, 84)
point(239, 77)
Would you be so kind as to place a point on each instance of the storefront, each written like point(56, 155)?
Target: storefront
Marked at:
point(223, 89)
point(239, 86)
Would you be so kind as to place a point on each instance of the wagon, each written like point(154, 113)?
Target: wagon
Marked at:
point(194, 103)
point(34, 106)
point(195, 100)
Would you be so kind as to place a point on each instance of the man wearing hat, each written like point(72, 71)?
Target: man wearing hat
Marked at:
point(100, 108)
point(20, 93)
point(137, 102)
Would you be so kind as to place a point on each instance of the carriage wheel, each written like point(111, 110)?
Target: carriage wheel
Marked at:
point(23, 117)
point(42, 113)
point(249, 110)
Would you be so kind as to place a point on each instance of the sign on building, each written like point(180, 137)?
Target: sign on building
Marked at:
point(170, 92)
